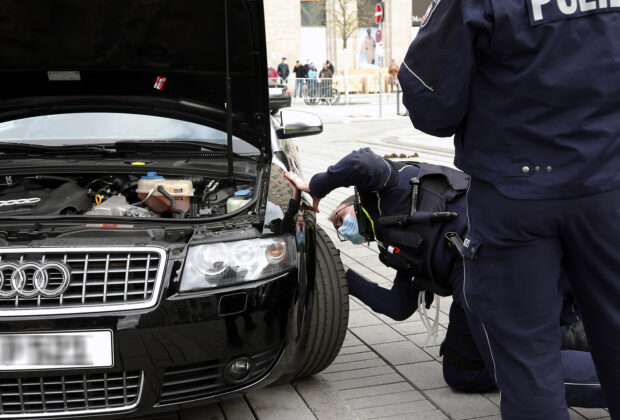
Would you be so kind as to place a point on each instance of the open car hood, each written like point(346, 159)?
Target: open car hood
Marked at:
point(156, 57)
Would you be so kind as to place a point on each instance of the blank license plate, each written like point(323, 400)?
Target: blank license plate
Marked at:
point(25, 351)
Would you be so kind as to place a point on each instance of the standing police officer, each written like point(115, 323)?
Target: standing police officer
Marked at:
point(385, 191)
point(531, 90)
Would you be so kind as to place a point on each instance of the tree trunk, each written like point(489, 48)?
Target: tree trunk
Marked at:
point(346, 75)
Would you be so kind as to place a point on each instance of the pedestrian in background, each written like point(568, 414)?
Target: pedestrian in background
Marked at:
point(330, 66)
point(301, 73)
point(283, 71)
point(326, 85)
point(272, 73)
point(312, 81)
point(531, 91)
point(393, 72)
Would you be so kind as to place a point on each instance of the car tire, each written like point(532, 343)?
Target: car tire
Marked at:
point(330, 309)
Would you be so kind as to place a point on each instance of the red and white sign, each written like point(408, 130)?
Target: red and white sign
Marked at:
point(379, 13)
point(378, 36)
point(160, 82)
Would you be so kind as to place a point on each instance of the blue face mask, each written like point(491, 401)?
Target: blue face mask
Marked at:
point(350, 231)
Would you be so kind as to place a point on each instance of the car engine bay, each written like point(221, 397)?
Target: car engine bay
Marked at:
point(145, 195)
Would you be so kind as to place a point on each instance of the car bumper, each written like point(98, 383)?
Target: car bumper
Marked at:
point(166, 358)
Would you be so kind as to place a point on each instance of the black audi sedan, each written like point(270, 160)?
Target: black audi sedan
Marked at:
point(152, 256)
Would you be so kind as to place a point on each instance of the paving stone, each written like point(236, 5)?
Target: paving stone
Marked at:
point(401, 352)
point(386, 284)
point(379, 268)
point(323, 400)
point(575, 415)
point(354, 305)
point(393, 398)
point(422, 340)
point(362, 319)
point(592, 413)
point(376, 334)
point(424, 375)
point(365, 272)
point(351, 340)
point(389, 378)
point(376, 390)
point(355, 357)
point(425, 415)
point(403, 409)
point(434, 351)
point(237, 408)
point(460, 405)
point(279, 403)
point(356, 365)
point(354, 349)
point(409, 327)
point(358, 373)
point(361, 252)
point(493, 396)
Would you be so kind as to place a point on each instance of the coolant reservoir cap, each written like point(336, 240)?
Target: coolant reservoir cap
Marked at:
point(243, 193)
point(152, 175)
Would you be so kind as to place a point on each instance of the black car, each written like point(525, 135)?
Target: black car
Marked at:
point(279, 96)
point(152, 256)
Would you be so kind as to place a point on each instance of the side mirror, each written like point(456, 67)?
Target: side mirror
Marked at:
point(298, 124)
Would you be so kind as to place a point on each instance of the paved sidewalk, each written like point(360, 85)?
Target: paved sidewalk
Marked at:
point(386, 369)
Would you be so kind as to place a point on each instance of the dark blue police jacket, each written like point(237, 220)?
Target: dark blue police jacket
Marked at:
point(530, 88)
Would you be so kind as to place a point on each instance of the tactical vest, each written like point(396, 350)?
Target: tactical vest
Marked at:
point(408, 233)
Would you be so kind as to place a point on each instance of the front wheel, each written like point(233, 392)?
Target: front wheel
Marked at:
point(330, 309)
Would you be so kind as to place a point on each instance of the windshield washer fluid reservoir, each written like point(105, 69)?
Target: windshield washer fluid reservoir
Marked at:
point(240, 199)
point(180, 189)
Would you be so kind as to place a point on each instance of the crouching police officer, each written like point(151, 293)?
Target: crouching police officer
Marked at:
point(410, 209)
point(531, 91)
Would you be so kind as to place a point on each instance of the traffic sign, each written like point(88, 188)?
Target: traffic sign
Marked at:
point(379, 13)
point(378, 35)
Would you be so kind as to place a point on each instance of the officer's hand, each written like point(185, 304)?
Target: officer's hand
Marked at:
point(297, 182)
point(301, 185)
point(315, 205)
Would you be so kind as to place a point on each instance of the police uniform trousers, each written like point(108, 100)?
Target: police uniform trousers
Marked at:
point(514, 255)
point(464, 367)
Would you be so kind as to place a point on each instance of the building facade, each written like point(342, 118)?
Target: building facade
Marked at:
point(311, 30)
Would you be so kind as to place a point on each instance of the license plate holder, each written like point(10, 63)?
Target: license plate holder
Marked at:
point(56, 350)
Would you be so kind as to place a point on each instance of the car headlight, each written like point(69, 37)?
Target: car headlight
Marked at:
point(228, 263)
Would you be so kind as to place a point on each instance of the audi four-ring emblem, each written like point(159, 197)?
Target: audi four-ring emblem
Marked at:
point(31, 279)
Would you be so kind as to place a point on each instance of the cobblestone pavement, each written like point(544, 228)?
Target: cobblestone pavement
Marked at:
point(386, 369)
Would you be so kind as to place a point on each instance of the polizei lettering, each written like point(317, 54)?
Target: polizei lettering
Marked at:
point(546, 11)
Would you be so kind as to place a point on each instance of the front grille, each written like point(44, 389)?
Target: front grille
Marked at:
point(69, 395)
point(204, 380)
point(99, 279)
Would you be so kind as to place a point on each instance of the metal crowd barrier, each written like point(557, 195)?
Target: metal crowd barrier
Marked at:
point(315, 91)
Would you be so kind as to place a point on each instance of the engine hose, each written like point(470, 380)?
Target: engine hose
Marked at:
point(129, 185)
point(176, 213)
point(51, 178)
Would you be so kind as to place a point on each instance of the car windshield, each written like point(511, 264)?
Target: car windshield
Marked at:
point(102, 128)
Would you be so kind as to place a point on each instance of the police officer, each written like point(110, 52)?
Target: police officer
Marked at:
point(531, 91)
point(385, 190)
